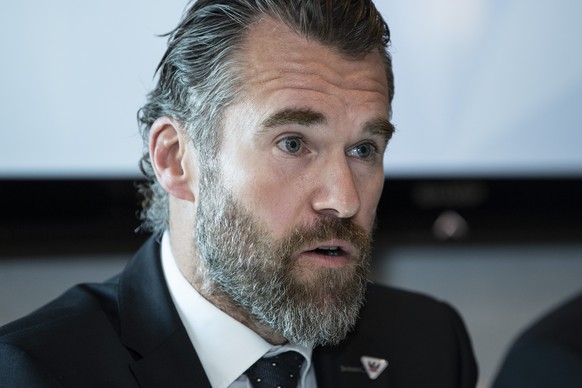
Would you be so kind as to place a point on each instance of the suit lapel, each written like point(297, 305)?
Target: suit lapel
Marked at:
point(341, 366)
point(151, 328)
point(171, 365)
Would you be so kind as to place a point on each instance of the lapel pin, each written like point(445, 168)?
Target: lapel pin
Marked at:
point(373, 366)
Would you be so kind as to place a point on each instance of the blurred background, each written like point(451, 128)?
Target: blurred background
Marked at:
point(481, 205)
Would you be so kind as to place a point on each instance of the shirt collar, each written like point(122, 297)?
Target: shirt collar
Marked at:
point(226, 348)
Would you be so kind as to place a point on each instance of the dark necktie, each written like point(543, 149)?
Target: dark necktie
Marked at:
point(280, 371)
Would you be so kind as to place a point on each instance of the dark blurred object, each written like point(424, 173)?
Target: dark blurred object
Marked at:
point(475, 211)
point(70, 216)
point(547, 354)
point(51, 217)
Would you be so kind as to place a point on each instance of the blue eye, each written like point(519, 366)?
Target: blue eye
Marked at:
point(363, 151)
point(291, 144)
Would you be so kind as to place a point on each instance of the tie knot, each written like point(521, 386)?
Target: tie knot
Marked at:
point(280, 371)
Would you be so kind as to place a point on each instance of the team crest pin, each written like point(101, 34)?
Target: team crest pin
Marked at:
point(374, 366)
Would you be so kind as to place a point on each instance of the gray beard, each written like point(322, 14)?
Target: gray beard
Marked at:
point(260, 276)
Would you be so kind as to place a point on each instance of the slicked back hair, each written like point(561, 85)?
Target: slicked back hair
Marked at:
point(199, 75)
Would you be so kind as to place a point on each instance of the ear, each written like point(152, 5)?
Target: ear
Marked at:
point(172, 159)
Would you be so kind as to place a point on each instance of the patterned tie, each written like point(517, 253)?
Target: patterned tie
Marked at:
point(280, 371)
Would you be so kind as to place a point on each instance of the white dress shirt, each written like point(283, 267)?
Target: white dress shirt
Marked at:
point(226, 348)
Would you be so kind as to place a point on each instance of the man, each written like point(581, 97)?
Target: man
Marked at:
point(549, 353)
point(264, 136)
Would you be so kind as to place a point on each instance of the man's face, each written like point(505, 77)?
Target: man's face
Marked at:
point(284, 225)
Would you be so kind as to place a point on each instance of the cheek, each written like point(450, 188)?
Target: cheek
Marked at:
point(272, 196)
point(370, 197)
point(277, 202)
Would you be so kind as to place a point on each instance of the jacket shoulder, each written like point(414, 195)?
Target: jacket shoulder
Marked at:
point(81, 300)
point(404, 305)
point(62, 341)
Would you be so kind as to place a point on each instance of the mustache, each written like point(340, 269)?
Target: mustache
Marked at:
point(328, 228)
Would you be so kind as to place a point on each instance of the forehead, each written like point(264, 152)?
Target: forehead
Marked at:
point(276, 58)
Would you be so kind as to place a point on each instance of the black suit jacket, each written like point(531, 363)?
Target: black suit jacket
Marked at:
point(549, 353)
point(126, 333)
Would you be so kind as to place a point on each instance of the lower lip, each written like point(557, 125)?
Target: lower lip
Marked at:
point(325, 261)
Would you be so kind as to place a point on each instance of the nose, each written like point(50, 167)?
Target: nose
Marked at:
point(337, 193)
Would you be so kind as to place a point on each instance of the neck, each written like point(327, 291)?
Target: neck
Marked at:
point(194, 270)
point(218, 298)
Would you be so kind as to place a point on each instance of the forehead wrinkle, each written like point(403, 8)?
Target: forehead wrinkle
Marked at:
point(317, 77)
point(306, 69)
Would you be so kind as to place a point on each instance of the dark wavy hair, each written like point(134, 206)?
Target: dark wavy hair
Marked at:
point(198, 75)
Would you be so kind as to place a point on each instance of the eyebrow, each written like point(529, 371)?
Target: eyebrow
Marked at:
point(307, 117)
point(381, 127)
point(301, 116)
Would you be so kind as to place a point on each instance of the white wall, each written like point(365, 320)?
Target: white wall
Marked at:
point(483, 87)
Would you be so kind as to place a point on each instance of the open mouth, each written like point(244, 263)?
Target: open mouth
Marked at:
point(329, 251)
point(329, 254)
